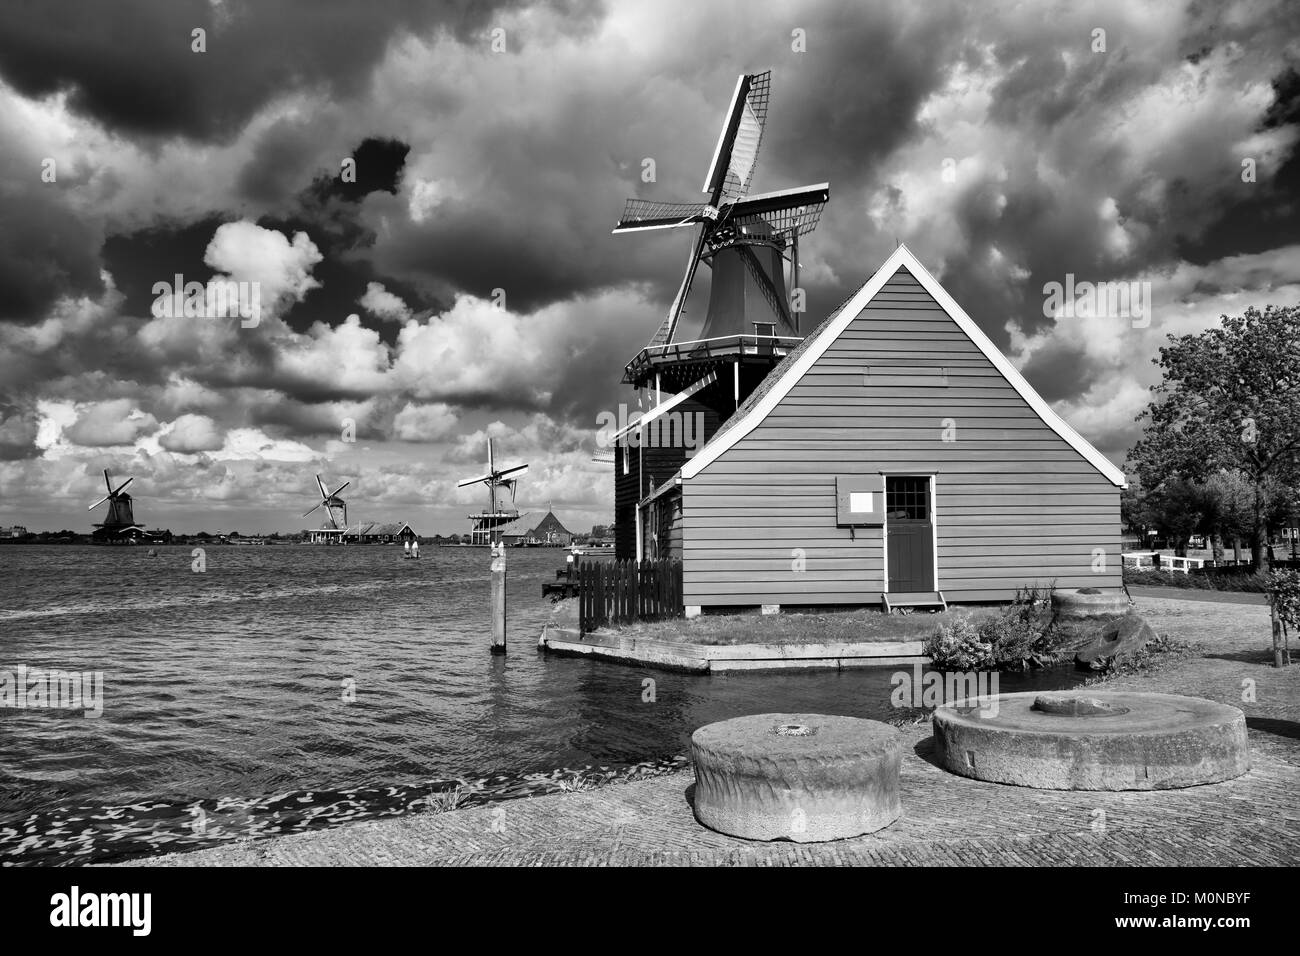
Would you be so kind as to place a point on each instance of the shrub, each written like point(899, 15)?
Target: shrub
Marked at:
point(1156, 654)
point(1284, 595)
point(956, 646)
point(1011, 637)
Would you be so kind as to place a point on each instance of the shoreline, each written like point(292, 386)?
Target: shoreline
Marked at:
point(948, 820)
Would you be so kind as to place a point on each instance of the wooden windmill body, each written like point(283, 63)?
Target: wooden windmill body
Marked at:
point(484, 525)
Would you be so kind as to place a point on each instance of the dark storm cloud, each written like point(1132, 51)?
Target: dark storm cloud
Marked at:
point(17, 432)
point(292, 418)
point(130, 64)
point(832, 115)
point(46, 250)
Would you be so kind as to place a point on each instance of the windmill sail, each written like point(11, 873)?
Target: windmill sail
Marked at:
point(736, 154)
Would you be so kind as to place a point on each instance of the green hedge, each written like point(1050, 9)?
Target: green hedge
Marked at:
point(1244, 581)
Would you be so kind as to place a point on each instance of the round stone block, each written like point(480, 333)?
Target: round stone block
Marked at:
point(1093, 740)
point(1090, 602)
point(802, 777)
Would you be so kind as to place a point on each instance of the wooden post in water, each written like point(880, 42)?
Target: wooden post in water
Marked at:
point(499, 597)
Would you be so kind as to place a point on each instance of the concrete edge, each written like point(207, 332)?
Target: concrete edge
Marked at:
point(706, 658)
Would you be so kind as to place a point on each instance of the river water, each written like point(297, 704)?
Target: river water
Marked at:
point(293, 687)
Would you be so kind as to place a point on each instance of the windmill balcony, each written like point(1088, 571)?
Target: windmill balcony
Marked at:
point(678, 364)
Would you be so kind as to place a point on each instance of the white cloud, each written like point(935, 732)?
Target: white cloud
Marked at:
point(242, 443)
point(191, 433)
point(424, 422)
point(114, 422)
point(380, 302)
point(246, 252)
point(350, 357)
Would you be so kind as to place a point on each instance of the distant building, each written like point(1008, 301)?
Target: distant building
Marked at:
point(364, 532)
point(17, 531)
point(374, 532)
point(535, 529)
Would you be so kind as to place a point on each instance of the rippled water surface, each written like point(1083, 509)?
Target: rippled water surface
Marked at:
point(224, 715)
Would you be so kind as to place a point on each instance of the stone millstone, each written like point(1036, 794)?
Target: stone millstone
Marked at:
point(1090, 602)
point(1116, 640)
point(1094, 741)
point(801, 777)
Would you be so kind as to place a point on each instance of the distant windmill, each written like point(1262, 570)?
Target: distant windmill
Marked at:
point(743, 238)
point(482, 532)
point(335, 506)
point(495, 479)
point(120, 516)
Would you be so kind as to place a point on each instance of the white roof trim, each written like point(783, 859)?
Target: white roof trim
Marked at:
point(902, 257)
point(664, 406)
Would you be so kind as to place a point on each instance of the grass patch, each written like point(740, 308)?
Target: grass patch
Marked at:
point(861, 626)
point(444, 801)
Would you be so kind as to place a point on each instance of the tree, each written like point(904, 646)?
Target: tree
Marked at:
point(1229, 401)
point(1230, 505)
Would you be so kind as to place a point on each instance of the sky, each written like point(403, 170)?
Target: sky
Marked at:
point(466, 283)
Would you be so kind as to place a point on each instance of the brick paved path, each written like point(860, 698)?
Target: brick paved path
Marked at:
point(947, 820)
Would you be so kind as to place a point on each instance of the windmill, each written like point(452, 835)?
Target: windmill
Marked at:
point(745, 239)
point(750, 325)
point(335, 507)
point(485, 523)
point(120, 516)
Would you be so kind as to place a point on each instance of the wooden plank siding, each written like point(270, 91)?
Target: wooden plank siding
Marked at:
point(652, 465)
point(1014, 503)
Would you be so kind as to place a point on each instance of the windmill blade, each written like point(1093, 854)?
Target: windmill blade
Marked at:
point(473, 481)
point(782, 200)
point(517, 470)
point(107, 483)
point(306, 513)
point(642, 214)
point(321, 485)
point(99, 502)
point(736, 153)
point(492, 468)
point(114, 494)
point(338, 489)
point(669, 326)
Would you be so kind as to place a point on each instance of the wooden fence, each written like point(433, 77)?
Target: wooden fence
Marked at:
point(618, 592)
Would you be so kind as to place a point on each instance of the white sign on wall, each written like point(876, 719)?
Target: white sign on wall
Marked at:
point(860, 501)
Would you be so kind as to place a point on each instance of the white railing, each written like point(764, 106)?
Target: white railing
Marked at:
point(1171, 562)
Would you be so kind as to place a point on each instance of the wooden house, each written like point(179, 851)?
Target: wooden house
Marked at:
point(893, 454)
point(376, 532)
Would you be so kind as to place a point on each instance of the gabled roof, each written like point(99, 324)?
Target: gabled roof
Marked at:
point(792, 368)
point(376, 528)
point(521, 525)
point(531, 522)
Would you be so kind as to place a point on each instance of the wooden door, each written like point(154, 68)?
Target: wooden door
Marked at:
point(909, 539)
